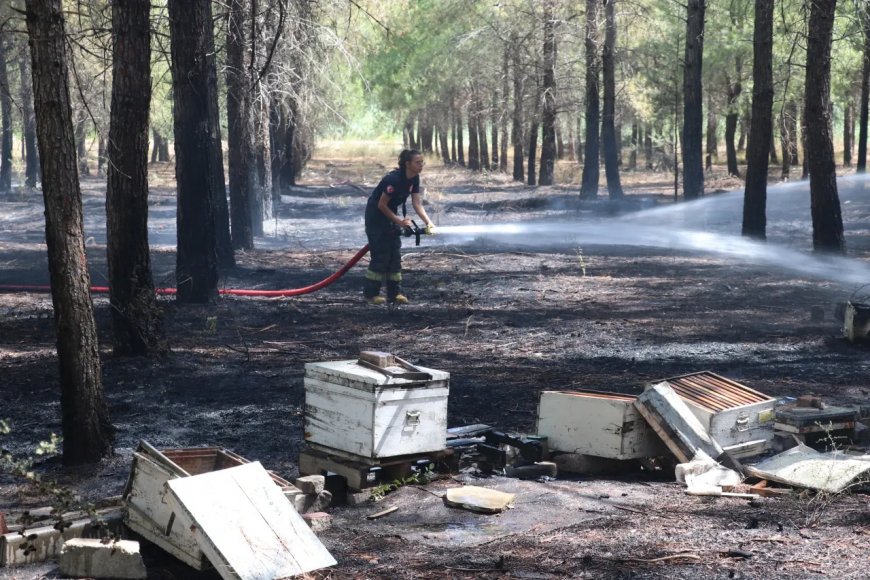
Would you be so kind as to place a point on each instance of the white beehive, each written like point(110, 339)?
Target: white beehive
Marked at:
point(738, 418)
point(361, 410)
point(598, 424)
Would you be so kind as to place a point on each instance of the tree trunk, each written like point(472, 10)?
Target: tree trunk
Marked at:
point(483, 146)
point(31, 156)
point(731, 119)
point(712, 148)
point(217, 186)
point(848, 135)
point(572, 145)
point(788, 136)
point(805, 168)
point(87, 432)
point(827, 220)
point(648, 146)
point(493, 131)
point(442, 126)
point(196, 262)
point(460, 146)
point(239, 130)
point(865, 93)
point(81, 121)
point(517, 121)
point(608, 129)
point(135, 317)
point(774, 158)
point(473, 150)
point(693, 105)
point(589, 181)
point(761, 130)
point(6, 114)
point(548, 99)
point(503, 112)
point(534, 129)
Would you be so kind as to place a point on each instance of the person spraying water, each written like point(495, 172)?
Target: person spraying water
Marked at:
point(384, 227)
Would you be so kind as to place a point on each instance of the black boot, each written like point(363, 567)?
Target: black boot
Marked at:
point(371, 288)
point(394, 292)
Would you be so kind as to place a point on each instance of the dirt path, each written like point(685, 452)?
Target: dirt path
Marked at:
point(507, 318)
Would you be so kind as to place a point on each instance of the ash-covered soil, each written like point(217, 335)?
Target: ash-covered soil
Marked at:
point(618, 295)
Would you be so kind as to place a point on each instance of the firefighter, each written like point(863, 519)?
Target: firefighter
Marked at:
point(384, 227)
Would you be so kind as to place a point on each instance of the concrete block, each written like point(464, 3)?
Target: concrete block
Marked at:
point(318, 521)
point(355, 498)
point(311, 484)
point(91, 558)
point(310, 502)
point(45, 542)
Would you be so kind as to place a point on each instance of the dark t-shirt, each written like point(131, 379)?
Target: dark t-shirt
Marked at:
point(398, 188)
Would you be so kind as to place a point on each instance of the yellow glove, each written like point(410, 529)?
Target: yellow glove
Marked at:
point(430, 229)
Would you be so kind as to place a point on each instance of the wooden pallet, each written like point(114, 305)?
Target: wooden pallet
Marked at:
point(362, 473)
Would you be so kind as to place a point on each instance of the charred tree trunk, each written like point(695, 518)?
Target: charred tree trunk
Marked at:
point(483, 146)
point(81, 135)
point(848, 133)
point(712, 148)
point(548, 99)
point(517, 121)
point(732, 117)
point(239, 131)
point(31, 156)
point(217, 186)
point(442, 135)
point(196, 271)
point(865, 93)
point(136, 322)
point(426, 133)
point(6, 114)
point(774, 157)
point(87, 432)
point(693, 104)
point(825, 201)
point(648, 147)
point(632, 156)
point(609, 136)
point(805, 168)
point(534, 129)
point(589, 181)
point(560, 140)
point(460, 145)
point(493, 132)
point(758, 156)
point(503, 112)
point(473, 151)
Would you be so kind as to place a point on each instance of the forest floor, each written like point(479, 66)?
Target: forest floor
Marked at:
point(619, 295)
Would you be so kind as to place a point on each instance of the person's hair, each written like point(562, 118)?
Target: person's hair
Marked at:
point(405, 156)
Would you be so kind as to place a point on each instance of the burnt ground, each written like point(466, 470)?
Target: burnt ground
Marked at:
point(508, 317)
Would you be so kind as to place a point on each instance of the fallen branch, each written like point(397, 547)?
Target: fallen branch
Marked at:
point(382, 513)
point(661, 558)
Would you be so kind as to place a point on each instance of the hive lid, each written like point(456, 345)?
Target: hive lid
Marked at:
point(355, 372)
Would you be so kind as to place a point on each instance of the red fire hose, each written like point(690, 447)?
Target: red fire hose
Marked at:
point(224, 291)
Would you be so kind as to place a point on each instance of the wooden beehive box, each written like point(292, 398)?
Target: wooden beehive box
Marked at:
point(366, 412)
point(596, 423)
point(148, 509)
point(738, 418)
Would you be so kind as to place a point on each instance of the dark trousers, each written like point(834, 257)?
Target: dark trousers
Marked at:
point(385, 246)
